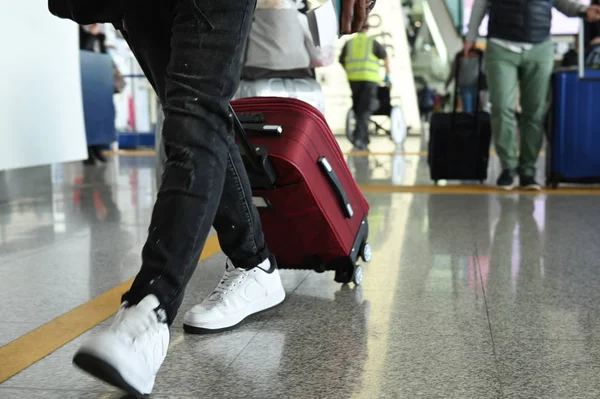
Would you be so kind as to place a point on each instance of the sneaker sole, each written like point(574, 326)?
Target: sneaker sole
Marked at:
point(506, 188)
point(105, 372)
point(207, 331)
point(534, 187)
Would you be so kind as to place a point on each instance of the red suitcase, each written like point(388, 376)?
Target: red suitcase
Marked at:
point(313, 213)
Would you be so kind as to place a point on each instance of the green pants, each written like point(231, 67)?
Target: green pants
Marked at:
point(505, 70)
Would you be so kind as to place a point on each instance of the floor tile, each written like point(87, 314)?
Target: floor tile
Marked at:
point(8, 393)
point(65, 278)
point(467, 296)
point(192, 366)
point(549, 368)
point(394, 314)
point(11, 331)
point(329, 363)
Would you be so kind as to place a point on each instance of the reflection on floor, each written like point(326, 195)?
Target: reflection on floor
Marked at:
point(467, 296)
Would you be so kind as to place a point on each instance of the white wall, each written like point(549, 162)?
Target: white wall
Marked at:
point(41, 111)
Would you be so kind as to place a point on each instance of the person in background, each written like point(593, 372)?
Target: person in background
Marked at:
point(280, 43)
point(570, 58)
point(592, 37)
point(426, 98)
point(470, 74)
point(407, 6)
point(591, 58)
point(91, 38)
point(361, 57)
point(520, 53)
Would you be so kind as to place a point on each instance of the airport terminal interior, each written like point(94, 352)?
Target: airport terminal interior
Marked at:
point(471, 292)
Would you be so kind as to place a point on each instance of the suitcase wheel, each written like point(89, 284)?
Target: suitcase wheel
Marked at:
point(366, 253)
point(358, 275)
point(348, 273)
point(550, 182)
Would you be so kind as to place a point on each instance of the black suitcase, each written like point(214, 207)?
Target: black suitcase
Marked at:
point(459, 142)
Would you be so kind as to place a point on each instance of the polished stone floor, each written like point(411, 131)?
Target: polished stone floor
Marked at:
point(467, 296)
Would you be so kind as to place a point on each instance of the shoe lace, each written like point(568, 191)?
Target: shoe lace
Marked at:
point(230, 279)
point(134, 322)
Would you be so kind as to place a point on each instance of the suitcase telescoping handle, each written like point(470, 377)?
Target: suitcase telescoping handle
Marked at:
point(479, 81)
point(479, 89)
point(581, 52)
point(261, 170)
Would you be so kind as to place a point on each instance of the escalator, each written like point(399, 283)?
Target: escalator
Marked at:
point(439, 38)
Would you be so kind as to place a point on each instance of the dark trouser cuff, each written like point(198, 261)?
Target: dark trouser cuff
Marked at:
point(252, 262)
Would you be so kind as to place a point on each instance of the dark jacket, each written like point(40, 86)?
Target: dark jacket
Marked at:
point(86, 12)
point(89, 42)
point(526, 21)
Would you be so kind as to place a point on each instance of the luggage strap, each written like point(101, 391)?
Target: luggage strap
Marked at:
point(259, 168)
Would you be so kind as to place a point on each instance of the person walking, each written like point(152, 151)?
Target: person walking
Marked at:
point(470, 74)
point(520, 53)
point(360, 58)
point(92, 38)
point(190, 50)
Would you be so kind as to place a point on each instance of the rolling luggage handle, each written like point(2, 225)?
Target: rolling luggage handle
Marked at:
point(256, 122)
point(581, 52)
point(270, 130)
point(337, 186)
point(262, 172)
point(479, 89)
point(477, 112)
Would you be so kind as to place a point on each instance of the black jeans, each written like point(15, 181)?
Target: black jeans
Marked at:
point(191, 50)
point(364, 103)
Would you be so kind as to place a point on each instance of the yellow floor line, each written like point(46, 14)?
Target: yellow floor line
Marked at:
point(34, 346)
point(431, 189)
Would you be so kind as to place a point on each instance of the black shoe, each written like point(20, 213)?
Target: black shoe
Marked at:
point(506, 181)
point(529, 183)
point(91, 159)
point(97, 150)
point(360, 145)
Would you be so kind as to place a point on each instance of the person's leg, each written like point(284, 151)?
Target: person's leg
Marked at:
point(91, 159)
point(203, 182)
point(361, 115)
point(200, 152)
point(356, 88)
point(367, 104)
point(373, 103)
point(535, 72)
point(97, 150)
point(467, 94)
point(502, 73)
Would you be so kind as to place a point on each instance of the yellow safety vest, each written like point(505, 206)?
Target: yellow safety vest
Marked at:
point(361, 64)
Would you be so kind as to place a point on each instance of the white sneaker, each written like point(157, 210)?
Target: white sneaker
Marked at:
point(240, 294)
point(128, 354)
